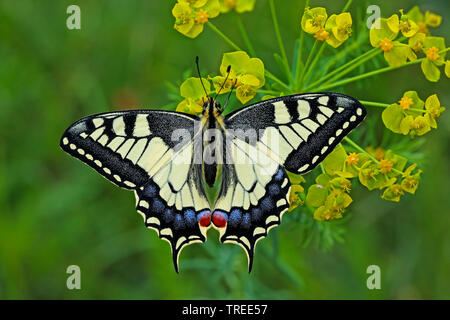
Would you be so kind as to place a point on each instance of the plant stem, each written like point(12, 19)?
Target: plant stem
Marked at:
point(271, 92)
point(300, 50)
point(275, 79)
point(313, 64)
point(354, 66)
point(347, 49)
point(347, 5)
point(360, 149)
point(308, 61)
point(369, 74)
point(223, 36)
point(277, 33)
point(231, 43)
point(343, 67)
point(244, 34)
point(366, 75)
point(385, 105)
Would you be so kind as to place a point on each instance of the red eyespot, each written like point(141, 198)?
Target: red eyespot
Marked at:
point(204, 219)
point(219, 219)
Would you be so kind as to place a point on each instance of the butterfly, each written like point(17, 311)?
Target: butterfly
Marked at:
point(170, 160)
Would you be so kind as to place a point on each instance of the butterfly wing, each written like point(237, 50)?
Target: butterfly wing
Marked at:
point(300, 129)
point(295, 133)
point(253, 196)
point(151, 153)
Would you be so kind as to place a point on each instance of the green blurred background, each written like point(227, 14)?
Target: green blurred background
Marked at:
point(55, 212)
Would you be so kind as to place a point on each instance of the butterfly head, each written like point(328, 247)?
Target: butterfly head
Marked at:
point(212, 107)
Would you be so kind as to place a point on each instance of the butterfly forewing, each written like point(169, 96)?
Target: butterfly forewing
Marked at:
point(301, 129)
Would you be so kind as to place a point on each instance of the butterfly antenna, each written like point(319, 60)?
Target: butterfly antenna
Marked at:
point(223, 84)
point(200, 76)
point(229, 95)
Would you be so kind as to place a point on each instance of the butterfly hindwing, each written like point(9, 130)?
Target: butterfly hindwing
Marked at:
point(138, 150)
point(300, 129)
point(253, 196)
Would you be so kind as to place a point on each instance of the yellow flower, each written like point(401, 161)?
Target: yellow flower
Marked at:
point(247, 73)
point(432, 19)
point(406, 103)
point(321, 35)
point(420, 126)
point(429, 19)
point(431, 47)
point(447, 68)
point(395, 53)
point(377, 153)
point(191, 15)
point(239, 5)
point(386, 45)
point(340, 28)
point(183, 17)
point(352, 159)
point(192, 90)
point(416, 41)
point(201, 17)
point(432, 53)
point(313, 19)
point(434, 109)
point(385, 166)
point(393, 193)
point(407, 26)
point(190, 106)
point(389, 29)
point(294, 198)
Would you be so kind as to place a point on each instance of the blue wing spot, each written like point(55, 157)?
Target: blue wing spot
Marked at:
point(279, 175)
point(149, 191)
point(274, 190)
point(157, 206)
point(235, 217)
point(267, 204)
point(179, 222)
point(245, 221)
point(256, 214)
point(189, 216)
point(167, 215)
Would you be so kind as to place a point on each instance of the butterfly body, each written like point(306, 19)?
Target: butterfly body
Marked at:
point(165, 158)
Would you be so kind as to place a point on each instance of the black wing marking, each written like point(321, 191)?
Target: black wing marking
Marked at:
point(300, 129)
point(253, 197)
point(136, 150)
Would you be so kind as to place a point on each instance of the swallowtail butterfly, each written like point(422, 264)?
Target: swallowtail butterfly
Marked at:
point(165, 159)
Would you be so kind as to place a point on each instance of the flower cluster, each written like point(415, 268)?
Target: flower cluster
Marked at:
point(246, 75)
point(411, 115)
point(191, 15)
point(329, 196)
point(334, 29)
point(414, 27)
